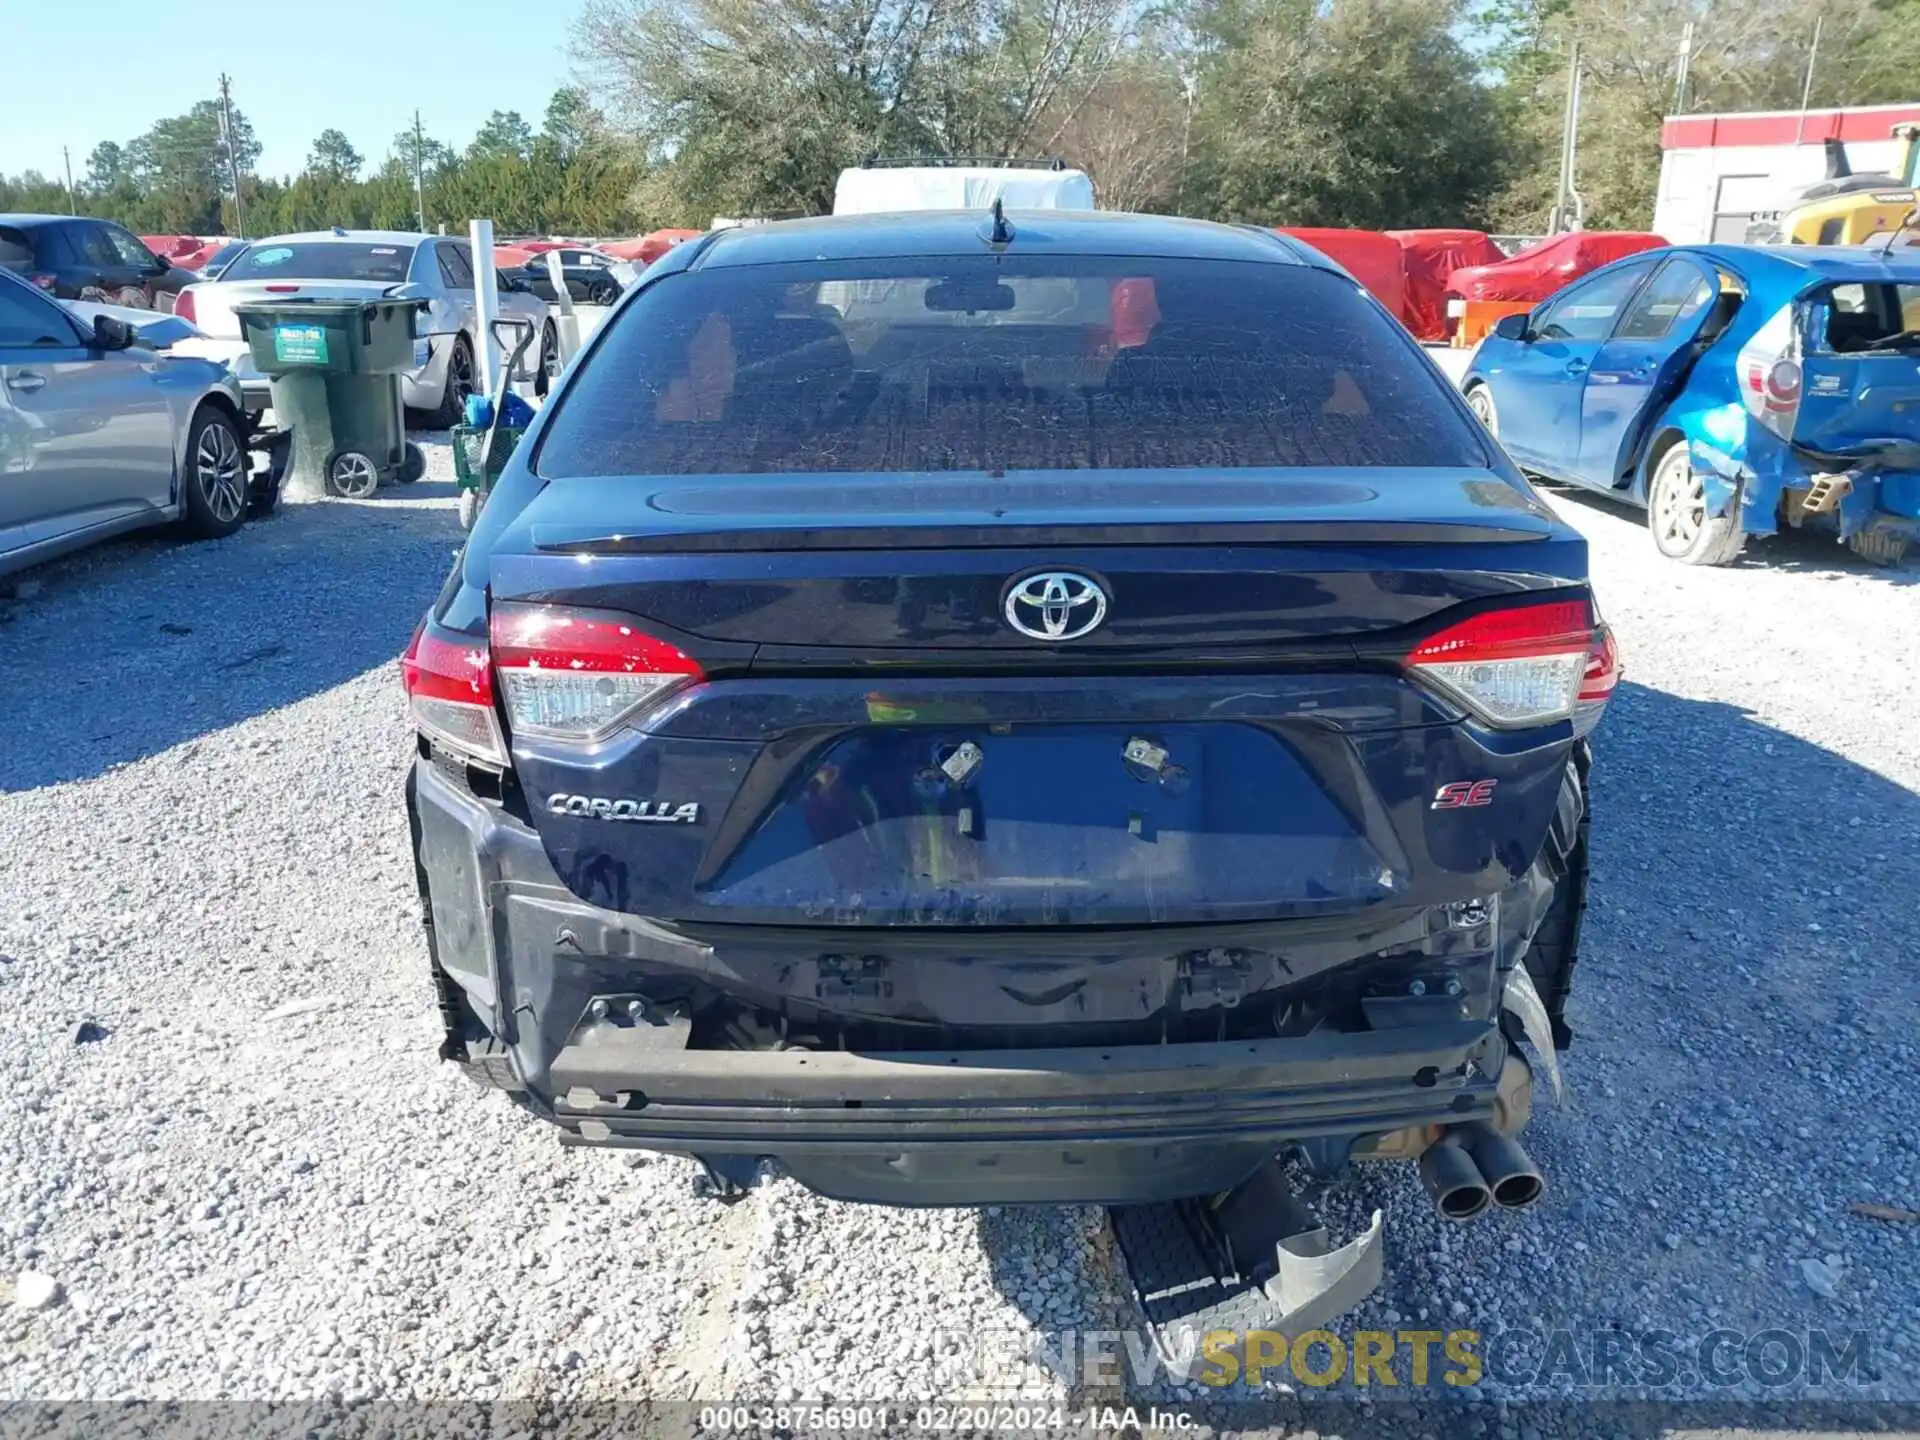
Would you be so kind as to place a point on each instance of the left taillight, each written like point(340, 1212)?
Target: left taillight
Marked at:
point(1516, 666)
point(579, 674)
point(449, 686)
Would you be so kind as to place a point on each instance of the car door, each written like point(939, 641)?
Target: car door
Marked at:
point(1538, 387)
point(88, 435)
point(1642, 365)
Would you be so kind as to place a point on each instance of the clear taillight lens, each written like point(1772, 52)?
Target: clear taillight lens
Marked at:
point(578, 674)
point(450, 693)
point(1514, 667)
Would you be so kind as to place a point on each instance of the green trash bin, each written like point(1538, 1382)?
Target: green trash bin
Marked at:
point(335, 368)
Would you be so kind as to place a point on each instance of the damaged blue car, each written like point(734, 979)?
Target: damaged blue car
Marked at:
point(1729, 389)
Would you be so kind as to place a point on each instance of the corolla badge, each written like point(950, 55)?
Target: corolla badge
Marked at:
point(1056, 605)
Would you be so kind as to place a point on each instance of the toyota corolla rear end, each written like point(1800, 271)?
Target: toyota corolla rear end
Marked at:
point(893, 721)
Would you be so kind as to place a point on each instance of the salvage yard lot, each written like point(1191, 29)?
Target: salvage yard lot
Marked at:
point(252, 1177)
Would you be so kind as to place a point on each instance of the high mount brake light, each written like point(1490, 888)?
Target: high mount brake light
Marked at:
point(1515, 667)
point(578, 674)
point(450, 693)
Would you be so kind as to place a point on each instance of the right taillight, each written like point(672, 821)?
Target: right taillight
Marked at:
point(184, 306)
point(579, 674)
point(1526, 665)
point(1596, 685)
point(450, 693)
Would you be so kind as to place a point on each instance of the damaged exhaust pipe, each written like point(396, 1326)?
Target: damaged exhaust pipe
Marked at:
point(1506, 1168)
point(1458, 1189)
point(1472, 1166)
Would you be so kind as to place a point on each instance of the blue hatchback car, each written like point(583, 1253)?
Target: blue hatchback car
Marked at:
point(1730, 389)
point(895, 719)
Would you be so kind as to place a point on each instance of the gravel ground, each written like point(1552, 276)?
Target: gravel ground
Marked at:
point(226, 1141)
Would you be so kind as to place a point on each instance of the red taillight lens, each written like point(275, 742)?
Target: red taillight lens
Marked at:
point(450, 693)
point(1596, 685)
point(1519, 666)
point(578, 674)
point(183, 306)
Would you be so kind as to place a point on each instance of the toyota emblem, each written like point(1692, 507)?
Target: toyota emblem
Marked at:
point(1056, 605)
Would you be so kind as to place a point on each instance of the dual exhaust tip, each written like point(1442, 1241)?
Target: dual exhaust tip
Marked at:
point(1474, 1166)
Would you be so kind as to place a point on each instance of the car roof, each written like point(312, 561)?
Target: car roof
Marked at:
point(1847, 262)
point(34, 222)
point(352, 237)
point(963, 232)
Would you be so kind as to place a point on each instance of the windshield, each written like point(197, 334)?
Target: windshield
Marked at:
point(980, 363)
point(322, 260)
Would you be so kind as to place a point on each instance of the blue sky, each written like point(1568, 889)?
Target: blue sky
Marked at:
point(298, 67)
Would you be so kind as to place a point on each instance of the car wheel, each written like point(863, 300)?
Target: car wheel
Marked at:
point(413, 467)
point(352, 475)
point(469, 508)
point(1480, 401)
point(602, 292)
point(1677, 514)
point(213, 485)
point(549, 369)
point(460, 384)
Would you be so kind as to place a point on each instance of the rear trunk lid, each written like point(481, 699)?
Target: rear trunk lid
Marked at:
point(876, 741)
point(214, 301)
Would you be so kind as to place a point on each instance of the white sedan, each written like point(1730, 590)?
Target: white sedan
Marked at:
point(367, 265)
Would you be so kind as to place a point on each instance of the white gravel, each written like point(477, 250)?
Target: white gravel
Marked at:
point(252, 1178)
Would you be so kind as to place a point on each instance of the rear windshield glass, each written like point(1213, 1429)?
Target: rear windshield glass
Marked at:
point(985, 364)
point(1875, 316)
point(322, 260)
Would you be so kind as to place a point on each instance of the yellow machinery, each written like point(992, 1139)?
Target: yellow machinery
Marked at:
point(1850, 209)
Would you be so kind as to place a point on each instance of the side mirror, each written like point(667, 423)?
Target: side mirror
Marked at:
point(1511, 327)
point(112, 334)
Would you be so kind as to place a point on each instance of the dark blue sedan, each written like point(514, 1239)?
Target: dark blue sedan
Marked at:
point(1015, 708)
point(1729, 389)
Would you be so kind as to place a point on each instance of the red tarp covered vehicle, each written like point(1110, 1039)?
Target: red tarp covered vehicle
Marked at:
point(1431, 257)
point(1372, 256)
point(649, 248)
point(1540, 270)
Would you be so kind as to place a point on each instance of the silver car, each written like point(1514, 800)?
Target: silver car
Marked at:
point(367, 265)
point(100, 434)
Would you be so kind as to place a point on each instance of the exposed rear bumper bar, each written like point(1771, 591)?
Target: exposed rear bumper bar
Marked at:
point(1115, 1124)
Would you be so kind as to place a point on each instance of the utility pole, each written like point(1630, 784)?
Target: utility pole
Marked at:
point(233, 154)
point(1569, 210)
point(1686, 64)
point(1806, 90)
point(419, 186)
point(73, 205)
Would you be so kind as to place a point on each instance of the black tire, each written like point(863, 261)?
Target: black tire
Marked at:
point(352, 475)
point(549, 368)
point(1555, 950)
point(452, 409)
point(413, 467)
point(602, 292)
point(213, 478)
point(1677, 515)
